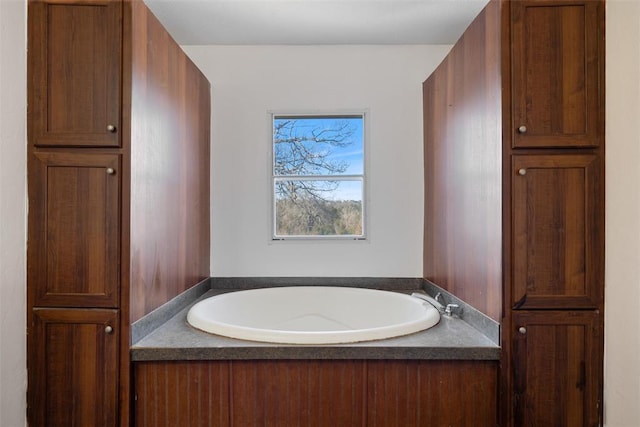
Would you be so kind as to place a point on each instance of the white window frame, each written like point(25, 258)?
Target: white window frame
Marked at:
point(273, 115)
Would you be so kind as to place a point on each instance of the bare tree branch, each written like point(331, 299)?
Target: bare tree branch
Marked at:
point(302, 151)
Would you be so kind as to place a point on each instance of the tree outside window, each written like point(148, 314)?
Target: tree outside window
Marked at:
point(318, 176)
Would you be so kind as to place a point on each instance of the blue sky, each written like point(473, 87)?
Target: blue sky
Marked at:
point(352, 153)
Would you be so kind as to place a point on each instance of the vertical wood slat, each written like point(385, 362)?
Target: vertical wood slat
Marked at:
point(182, 393)
point(297, 393)
point(433, 393)
point(308, 393)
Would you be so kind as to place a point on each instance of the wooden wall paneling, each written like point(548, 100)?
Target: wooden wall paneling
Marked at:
point(250, 393)
point(436, 247)
point(297, 393)
point(432, 393)
point(182, 394)
point(166, 114)
point(169, 147)
point(309, 393)
point(463, 200)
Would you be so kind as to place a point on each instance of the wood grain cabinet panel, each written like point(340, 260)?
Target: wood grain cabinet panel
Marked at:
point(316, 393)
point(73, 367)
point(297, 393)
point(557, 223)
point(432, 393)
point(557, 369)
point(74, 220)
point(75, 53)
point(182, 394)
point(557, 68)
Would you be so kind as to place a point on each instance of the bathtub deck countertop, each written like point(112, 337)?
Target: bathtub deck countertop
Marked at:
point(451, 339)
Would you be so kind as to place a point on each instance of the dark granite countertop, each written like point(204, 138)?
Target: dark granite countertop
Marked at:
point(172, 338)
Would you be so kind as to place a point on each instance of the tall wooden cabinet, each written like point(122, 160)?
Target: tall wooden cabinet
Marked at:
point(557, 213)
point(90, 92)
point(545, 161)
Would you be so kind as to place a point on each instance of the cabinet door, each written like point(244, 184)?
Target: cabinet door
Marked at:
point(73, 369)
point(558, 231)
point(74, 229)
point(75, 72)
point(557, 73)
point(557, 368)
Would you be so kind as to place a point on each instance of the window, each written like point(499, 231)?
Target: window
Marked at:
point(318, 176)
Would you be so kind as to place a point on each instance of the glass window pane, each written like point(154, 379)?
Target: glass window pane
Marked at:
point(320, 145)
point(314, 207)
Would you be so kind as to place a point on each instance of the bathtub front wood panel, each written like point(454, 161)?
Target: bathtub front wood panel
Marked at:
point(297, 393)
point(182, 394)
point(434, 393)
point(316, 393)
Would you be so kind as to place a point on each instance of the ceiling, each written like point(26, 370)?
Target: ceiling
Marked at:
point(310, 22)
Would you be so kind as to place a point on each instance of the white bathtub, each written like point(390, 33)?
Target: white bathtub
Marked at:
point(312, 315)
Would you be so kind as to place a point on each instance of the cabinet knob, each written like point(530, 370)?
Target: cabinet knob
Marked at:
point(522, 129)
point(522, 330)
point(522, 171)
point(111, 128)
point(111, 171)
point(108, 329)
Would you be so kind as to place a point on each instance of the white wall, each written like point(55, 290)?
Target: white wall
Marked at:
point(13, 375)
point(248, 82)
point(622, 281)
